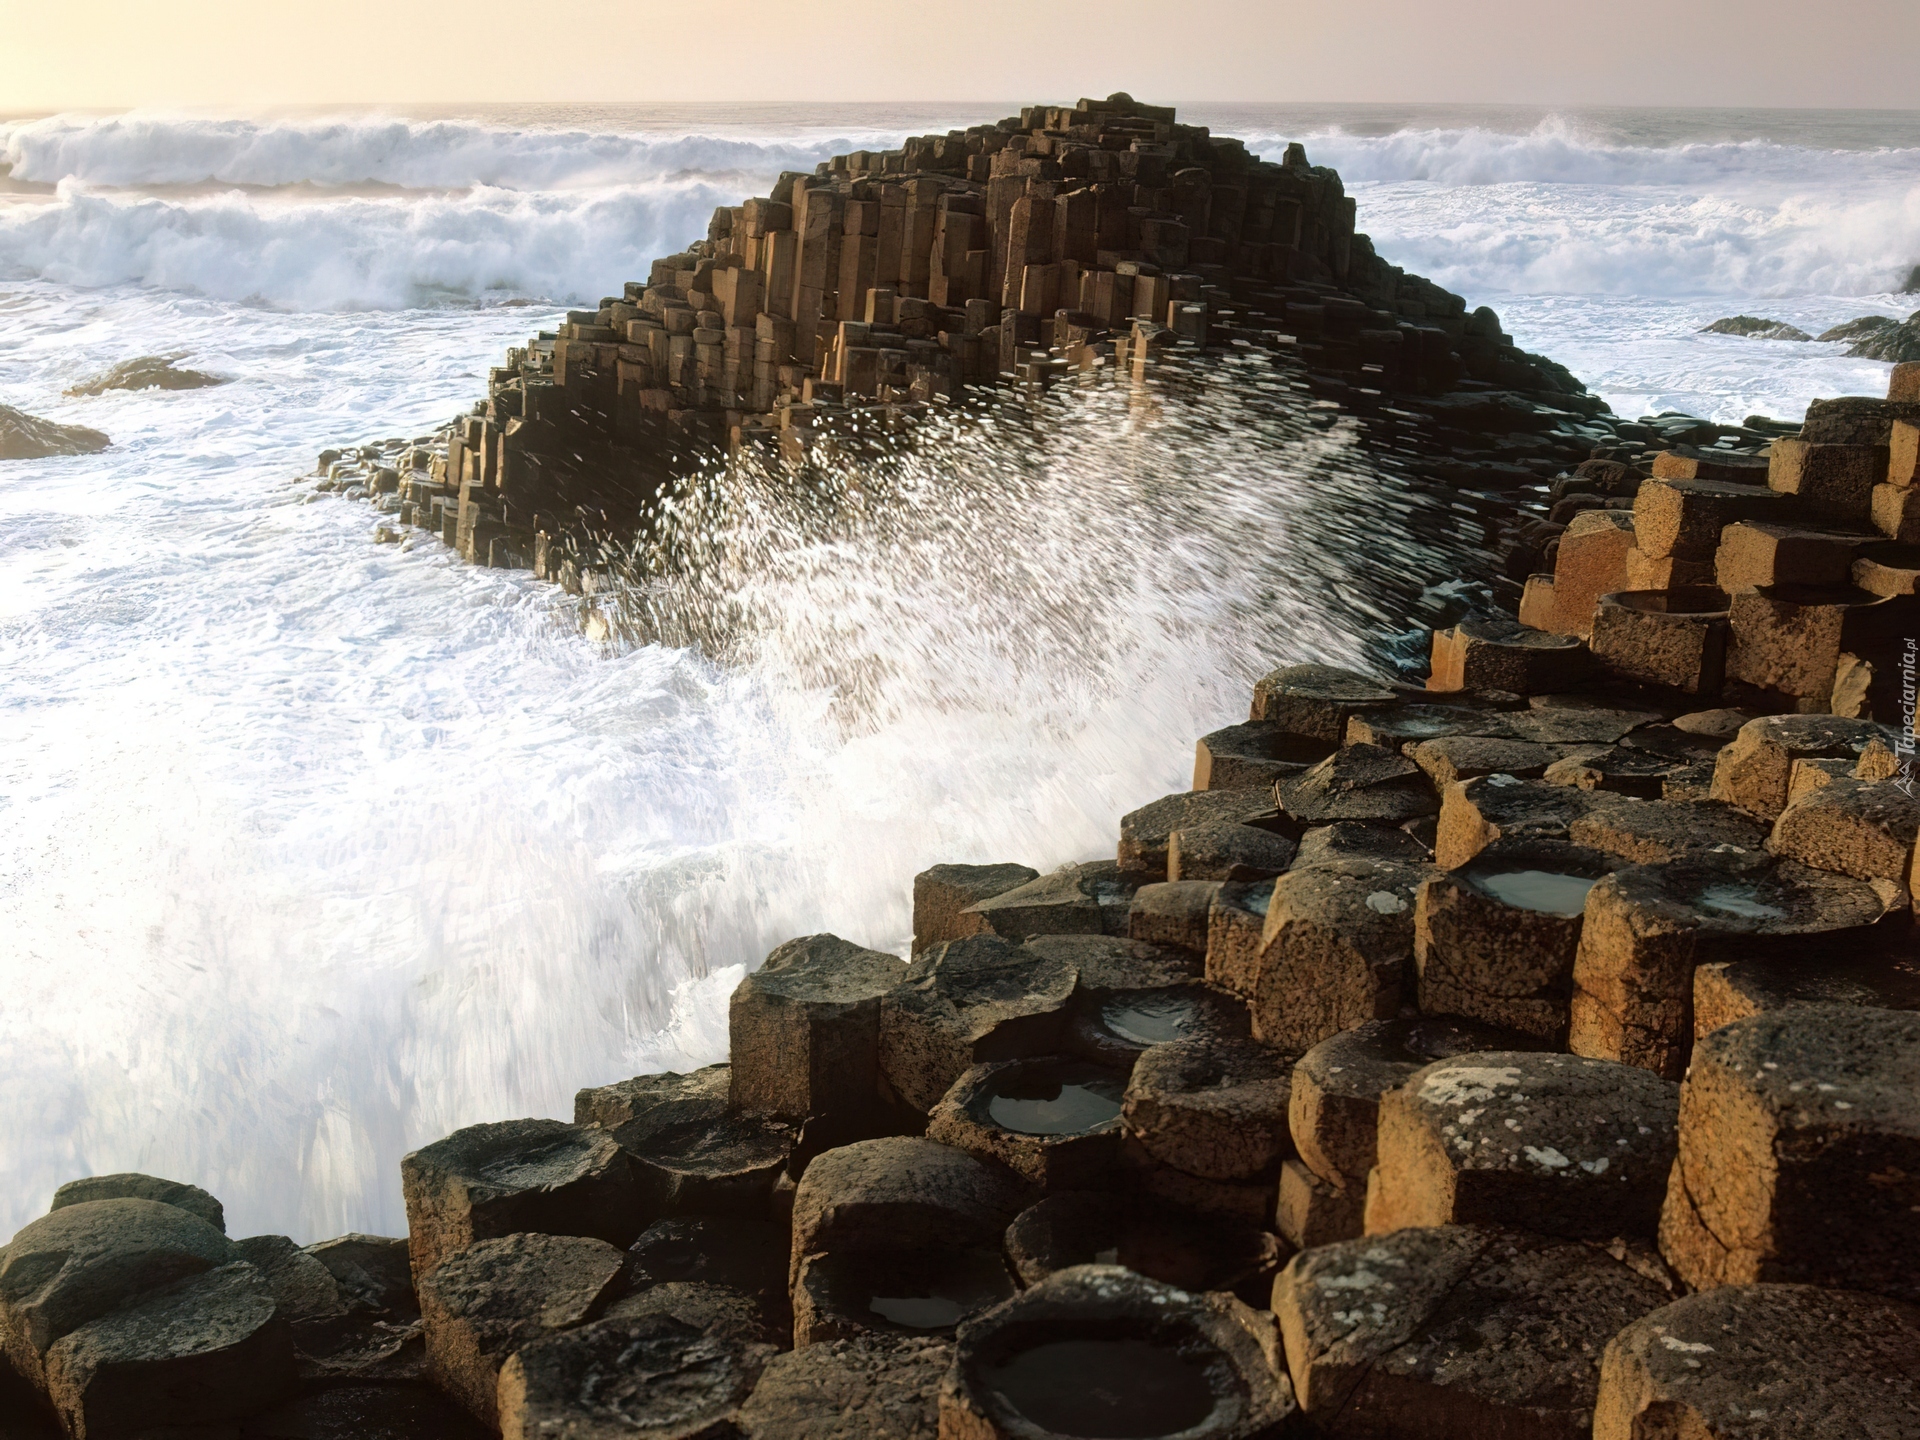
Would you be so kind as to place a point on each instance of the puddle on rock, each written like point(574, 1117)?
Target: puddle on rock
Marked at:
point(1104, 1389)
point(1151, 1018)
point(1040, 1105)
point(1741, 900)
point(932, 1290)
point(1552, 892)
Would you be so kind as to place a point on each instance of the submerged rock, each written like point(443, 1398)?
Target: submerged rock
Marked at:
point(24, 437)
point(1752, 327)
point(147, 372)
point(1879, 337)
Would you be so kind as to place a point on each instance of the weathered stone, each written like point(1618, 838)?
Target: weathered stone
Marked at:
point(1310, 1211)
point(1316, 700)
point(846, 1295)
point(1088, 899)
point(901, 1193)
point(1494, 941)
point(1106, 964)
point(1241, 1201)
point(1753, 772)
point(1333, 1106)
point(1146, 833)
point(1690, 462)
point(85, 1259)
point(517, 1175)
point(1112, 1026)
point(364, 1410)
point(1098, 1349)
point(1577, 723)
point(1475, 813)
point(1647, 927)
point(1538, 1141)
point(1855, 827)
point(1356, 840)
point(746, 1257)
point(1591, 562)
point(496, 1295)
point(1831, 482)
point(1054, 1122)
point(1786, 640)
point(804, 1029)
point(1755, 552)
point(1886, 569)
point(1675, 638)
point(1454, 1331)
point(943, 893)
point(1464, 757)
point(1684, 518)
point(1800, 1153)
point(1227, 852)
point(1666, 572)
point(1627, 770)
point(710, 1309)
point(1359, 782)
point(1334, 951)
point(205, 1348)
point(1236, 923)
point(883, 1388)
point(1408, 725)
point(725, 1166)
point(1730, 990)
point(1492, 653)
point(651, 1375)
point(1764, 1362)
point(1172, 913)
point(1213, 1108)
point(190, 1198)
point(1177, 1247)
point(966, 1003)
point(1654, 832)
point(666, 1099)
point(27, 437)
point(1255, 754)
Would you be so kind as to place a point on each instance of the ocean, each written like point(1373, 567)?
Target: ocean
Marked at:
point(312, 850)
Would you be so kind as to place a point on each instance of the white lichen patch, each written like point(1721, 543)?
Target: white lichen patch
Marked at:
point(1467, 1084)
point(1546, 1157)
point(1686, 1347)
point(1385, 902)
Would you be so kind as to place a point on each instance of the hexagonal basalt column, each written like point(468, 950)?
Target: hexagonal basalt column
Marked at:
point(1163, 1242)
point(1675, 638)
point(844, 1295)
point(1316, 701)
point(1484, 653)
point(1054, 1121)
point(1212, 1108)
point(1755, 770)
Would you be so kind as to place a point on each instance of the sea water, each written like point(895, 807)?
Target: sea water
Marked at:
point(312, 850)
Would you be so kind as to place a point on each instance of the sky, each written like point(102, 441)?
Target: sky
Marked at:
point(58, 54)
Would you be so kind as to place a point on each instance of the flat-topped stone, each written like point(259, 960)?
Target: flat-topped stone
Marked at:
point(876, 1387)
point(1085, 899)
point(943, 893)
point(1163, 1242)
point(1317, 700)
point(1055, 1122)
point(1359, 782)
point(664, 1099)
point(1212, 1107)
point(1256, 753)
point(804, 1029)
point(1146, 833)
point(190, 1198)
point(1730, 990)
point(846, 1295)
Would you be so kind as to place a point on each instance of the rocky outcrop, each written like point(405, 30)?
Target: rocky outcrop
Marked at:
point(147, 372)
point(23, 437)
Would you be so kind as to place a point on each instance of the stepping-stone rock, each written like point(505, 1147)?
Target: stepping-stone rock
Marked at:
point(1656, 832)
point(1146, 833)
point(1407, 726)
point(1832, 482)
point(1800, 1153)
point(966, 1003)
point(1887, 568)
point(1257, 753)
point(1719, 725)
point(1335, 950)
point(1685, 518)
point(1475, 813)
point(1495, 653)
point(1764, 1362)
point(190, 1198)
point(804, 1029)
point(1647, 927)
point(1627, 770)
point(1316, 700)
point(1175, 1246)
point(206, 1348)
point(943, 893)
point(1310, 1211)
point(1854, 827)
point(1212, 1108)
point(665, 1099)
point(1454, 1331)
point(1357, 840)
point(878, 1388)
point(1333, 1105)
point(1055, 1122)
point(843, 1295)
point(1756, 553)
point(376, 1334)
point(1089, 899)
point(1573, 720)
point(1673, 638)
point(746, 1257)
point(725, 1166)
point(363, 1411)
point(496, 1295)
point(83, 1260)
point(1495, 940)
point(1099, 1350)
point(649, 1375)
point(499, 1179)
point(1359, 782)
point(1730, 990)
point(1107, 964)
point(1754, 770)
point(1554, 1143)
point(1227, 852)
point(1463, 757)
point(710, 1309)
point(1172, 912)
point(901, 1193)
point(1591, 561)
point(1236, 925)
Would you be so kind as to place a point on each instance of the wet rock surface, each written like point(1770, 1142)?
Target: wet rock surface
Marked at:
point(886, 1388)
point(147, 372)
point(24, 437)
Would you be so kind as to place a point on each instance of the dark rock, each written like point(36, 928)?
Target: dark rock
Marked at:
point(648, 1375)
point(23, 437)
point(1753, 328)
point(1055, 1122)
point(943, 893)
point(147, 372)
point(1212, 1108)
point(882, 1388)
point(1089, 899)
point(1538, 1141)
point(1454, 1331)
point(1175, 1246)
point(1730, 990)
point(1356, 840)
point(1146, 833)
point(1763, 1362)
point(1100, 1350)
point(1317, 700)
point(517, 1175)
point(656, 1101)
point(1360, 782)
point(845, 1295)
point(1227, 852)
point(1255, 754)
point(747, 1257)
point(190, 1198)
point(364, 1411)
point(707, 1167)
point(804, 1029)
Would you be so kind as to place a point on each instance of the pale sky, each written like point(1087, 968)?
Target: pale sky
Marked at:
point(111, 53)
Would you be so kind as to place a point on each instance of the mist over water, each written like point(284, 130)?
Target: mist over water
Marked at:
point(312, 850)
